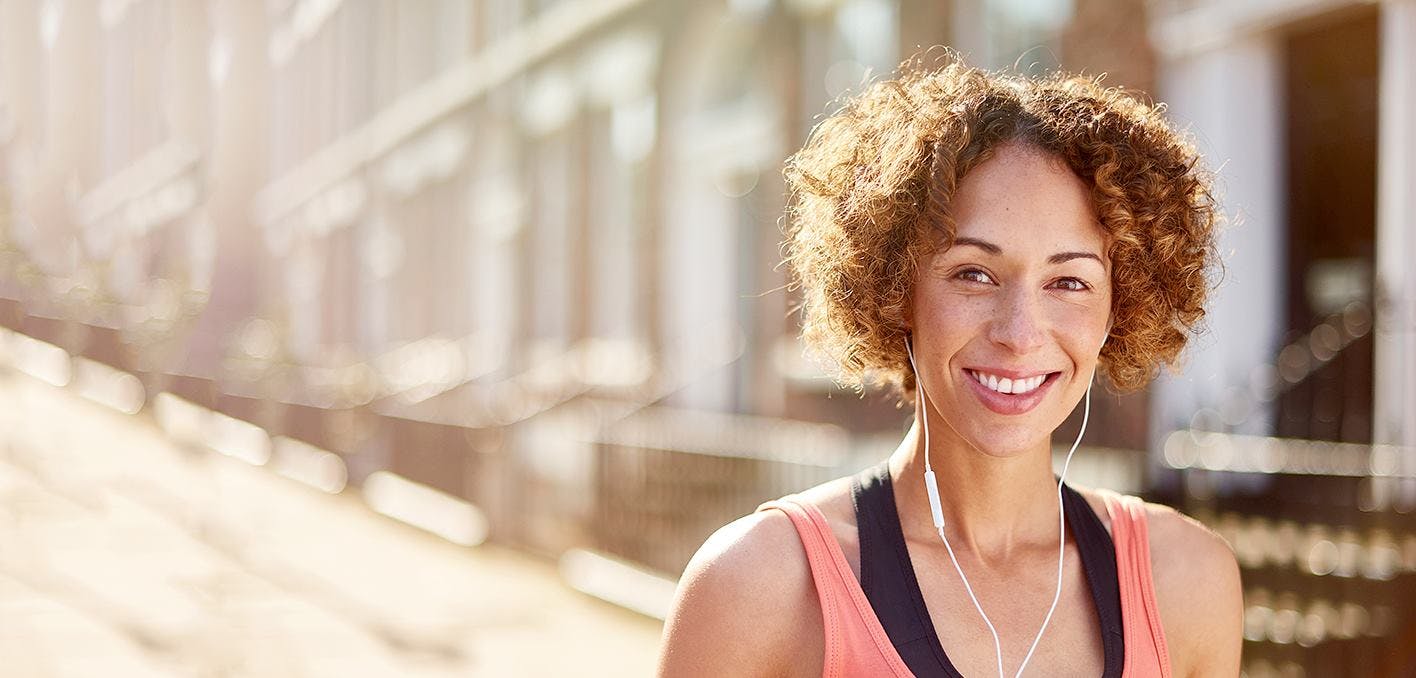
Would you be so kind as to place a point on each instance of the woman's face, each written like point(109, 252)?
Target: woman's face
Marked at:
point(1009, 320)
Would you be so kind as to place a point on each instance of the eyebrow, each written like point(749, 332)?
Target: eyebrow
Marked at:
point(1060, 257)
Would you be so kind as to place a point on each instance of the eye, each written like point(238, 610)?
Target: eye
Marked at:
point(974, 275)
point(1072, 284)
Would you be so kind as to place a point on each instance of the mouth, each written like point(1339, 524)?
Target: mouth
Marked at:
point(1013, 393)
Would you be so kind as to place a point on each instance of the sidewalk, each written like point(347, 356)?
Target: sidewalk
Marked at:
point(122, 554)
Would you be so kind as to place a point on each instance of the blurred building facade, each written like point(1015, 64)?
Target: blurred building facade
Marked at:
point(1292, 428)
point(525, 252)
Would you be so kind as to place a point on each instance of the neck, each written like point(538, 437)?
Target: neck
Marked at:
point(995, 508)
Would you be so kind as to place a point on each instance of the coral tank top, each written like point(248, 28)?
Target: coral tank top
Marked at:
point(856, 643)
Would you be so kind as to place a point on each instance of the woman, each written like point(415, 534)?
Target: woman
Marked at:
point(986, 245)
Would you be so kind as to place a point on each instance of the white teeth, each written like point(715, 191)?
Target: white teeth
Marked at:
point(1005, 385)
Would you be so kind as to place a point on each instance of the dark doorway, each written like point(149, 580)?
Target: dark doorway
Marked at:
point(1331, 79)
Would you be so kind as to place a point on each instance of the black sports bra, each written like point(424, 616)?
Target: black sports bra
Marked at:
point(887, 576)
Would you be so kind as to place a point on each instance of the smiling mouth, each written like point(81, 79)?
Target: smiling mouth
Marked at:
point(1010, 396)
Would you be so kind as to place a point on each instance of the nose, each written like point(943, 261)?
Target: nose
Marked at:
point(1019, 325)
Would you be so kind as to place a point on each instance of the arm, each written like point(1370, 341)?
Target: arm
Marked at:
point(736, 608)
point(1200, 595)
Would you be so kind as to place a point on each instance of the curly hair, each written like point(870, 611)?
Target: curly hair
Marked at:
point(871, 192)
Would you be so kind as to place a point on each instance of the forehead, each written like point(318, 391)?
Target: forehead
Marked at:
point(1025, 200)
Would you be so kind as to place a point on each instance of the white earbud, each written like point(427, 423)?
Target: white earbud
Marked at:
point(932, 488)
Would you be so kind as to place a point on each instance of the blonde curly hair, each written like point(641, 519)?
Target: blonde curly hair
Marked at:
point(871, 189)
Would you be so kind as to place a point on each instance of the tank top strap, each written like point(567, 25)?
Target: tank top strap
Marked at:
point(1098, 559)
point(1146, 655)
point(855, 644)
point(888, 578)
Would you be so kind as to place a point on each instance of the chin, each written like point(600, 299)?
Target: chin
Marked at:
point(1007, 443)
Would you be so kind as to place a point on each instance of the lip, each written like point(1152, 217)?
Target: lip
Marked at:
point(1007, 403)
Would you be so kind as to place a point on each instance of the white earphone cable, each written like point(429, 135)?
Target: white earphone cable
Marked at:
point(938, 519)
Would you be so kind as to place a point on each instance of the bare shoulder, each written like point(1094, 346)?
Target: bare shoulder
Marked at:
point(1197, 588)
point(1198, 591)
point(1096, 502)
point(749, 587)
point(1187, 553)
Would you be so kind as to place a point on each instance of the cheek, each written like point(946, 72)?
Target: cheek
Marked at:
point(1087, 320)
point(1082, 331)
point(955, 318)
